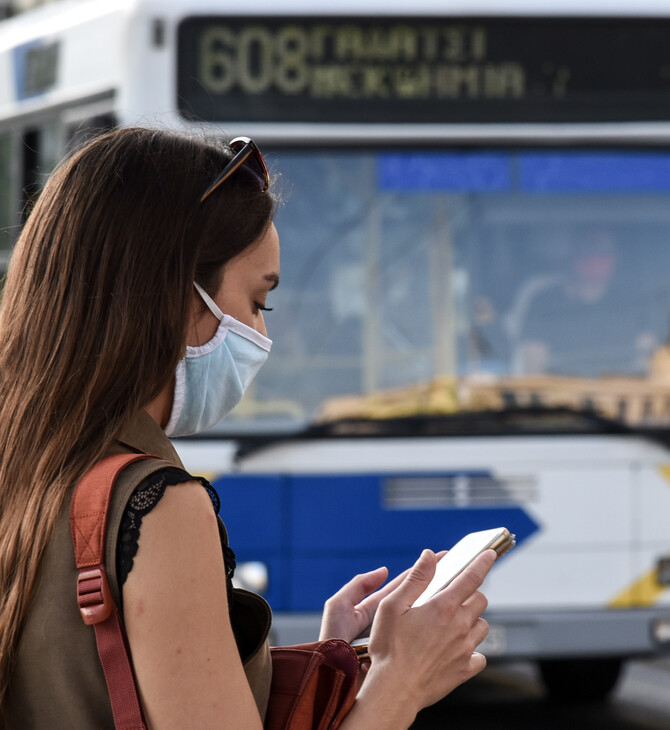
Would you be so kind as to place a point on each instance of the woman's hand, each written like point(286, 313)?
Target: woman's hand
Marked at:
point(351, 610)
point(420, 654)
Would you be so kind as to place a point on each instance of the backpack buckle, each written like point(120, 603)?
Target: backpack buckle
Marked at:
point(93, 595)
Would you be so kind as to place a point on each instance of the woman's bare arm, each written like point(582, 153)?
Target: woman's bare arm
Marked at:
point(186, 661)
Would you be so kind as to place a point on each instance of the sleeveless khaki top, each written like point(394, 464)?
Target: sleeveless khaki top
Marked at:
point(58, 681)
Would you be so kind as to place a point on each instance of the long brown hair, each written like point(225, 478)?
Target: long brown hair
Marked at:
point(93, 320)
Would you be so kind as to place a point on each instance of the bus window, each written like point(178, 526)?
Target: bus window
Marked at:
point(42, 149)
point(83, 130)
point(406, 268)
point(7, 213)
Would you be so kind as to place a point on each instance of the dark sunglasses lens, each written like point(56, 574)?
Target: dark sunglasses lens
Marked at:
point(254, 163)
point(250, 161)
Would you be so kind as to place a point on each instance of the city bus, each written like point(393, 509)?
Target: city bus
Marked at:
point(473, 324)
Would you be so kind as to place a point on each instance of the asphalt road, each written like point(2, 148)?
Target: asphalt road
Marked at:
point(511, 697)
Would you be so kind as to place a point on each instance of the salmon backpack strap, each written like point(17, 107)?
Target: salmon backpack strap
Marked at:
point(88, 520)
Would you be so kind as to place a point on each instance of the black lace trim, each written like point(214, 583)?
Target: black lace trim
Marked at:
point(145, 497)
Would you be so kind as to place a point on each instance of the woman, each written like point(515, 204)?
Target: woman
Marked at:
point(106, 345)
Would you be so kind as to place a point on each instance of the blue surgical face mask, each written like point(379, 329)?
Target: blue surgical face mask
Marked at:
point(211, 378)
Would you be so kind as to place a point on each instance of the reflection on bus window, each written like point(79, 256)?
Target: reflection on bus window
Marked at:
point(582, 318)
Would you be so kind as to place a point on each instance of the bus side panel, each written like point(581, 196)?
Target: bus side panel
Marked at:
point(254, 510)
point(582, 555)
point(651, 538)
point(341, 526)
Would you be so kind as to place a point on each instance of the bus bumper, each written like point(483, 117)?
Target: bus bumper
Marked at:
point(577, 633)
point(538, 634)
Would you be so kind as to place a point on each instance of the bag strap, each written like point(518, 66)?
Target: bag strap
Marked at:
point(88, 521)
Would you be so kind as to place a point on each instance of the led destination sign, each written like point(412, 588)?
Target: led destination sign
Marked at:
point(423, 70)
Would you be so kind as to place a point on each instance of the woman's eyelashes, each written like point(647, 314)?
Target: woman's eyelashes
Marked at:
point(260, 303)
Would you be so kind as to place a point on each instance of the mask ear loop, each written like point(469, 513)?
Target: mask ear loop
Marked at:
point(211, 304)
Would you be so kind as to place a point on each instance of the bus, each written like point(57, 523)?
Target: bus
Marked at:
point(473, 323)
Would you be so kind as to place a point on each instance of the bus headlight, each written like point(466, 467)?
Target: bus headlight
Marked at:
point(252, 576)
point(660, 631)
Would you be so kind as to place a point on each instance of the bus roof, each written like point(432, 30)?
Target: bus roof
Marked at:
point(53, 17)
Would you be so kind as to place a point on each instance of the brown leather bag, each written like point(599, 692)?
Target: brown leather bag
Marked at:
point(313, 685)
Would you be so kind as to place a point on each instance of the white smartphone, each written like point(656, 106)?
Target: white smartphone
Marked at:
point(462, 554)
point(452, 564)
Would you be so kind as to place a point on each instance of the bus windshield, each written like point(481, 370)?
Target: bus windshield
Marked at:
point(436, 281)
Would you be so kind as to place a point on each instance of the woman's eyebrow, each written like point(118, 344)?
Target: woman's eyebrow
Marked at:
point(274, 278)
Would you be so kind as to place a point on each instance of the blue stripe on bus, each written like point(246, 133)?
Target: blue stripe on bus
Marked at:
point(443, 171)
point(315, 532)
point(594, 172)
point(534, 172)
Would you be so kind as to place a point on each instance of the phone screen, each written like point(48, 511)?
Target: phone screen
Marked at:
point(462, 554)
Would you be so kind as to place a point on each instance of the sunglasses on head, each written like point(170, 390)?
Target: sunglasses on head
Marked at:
point(246, 156)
